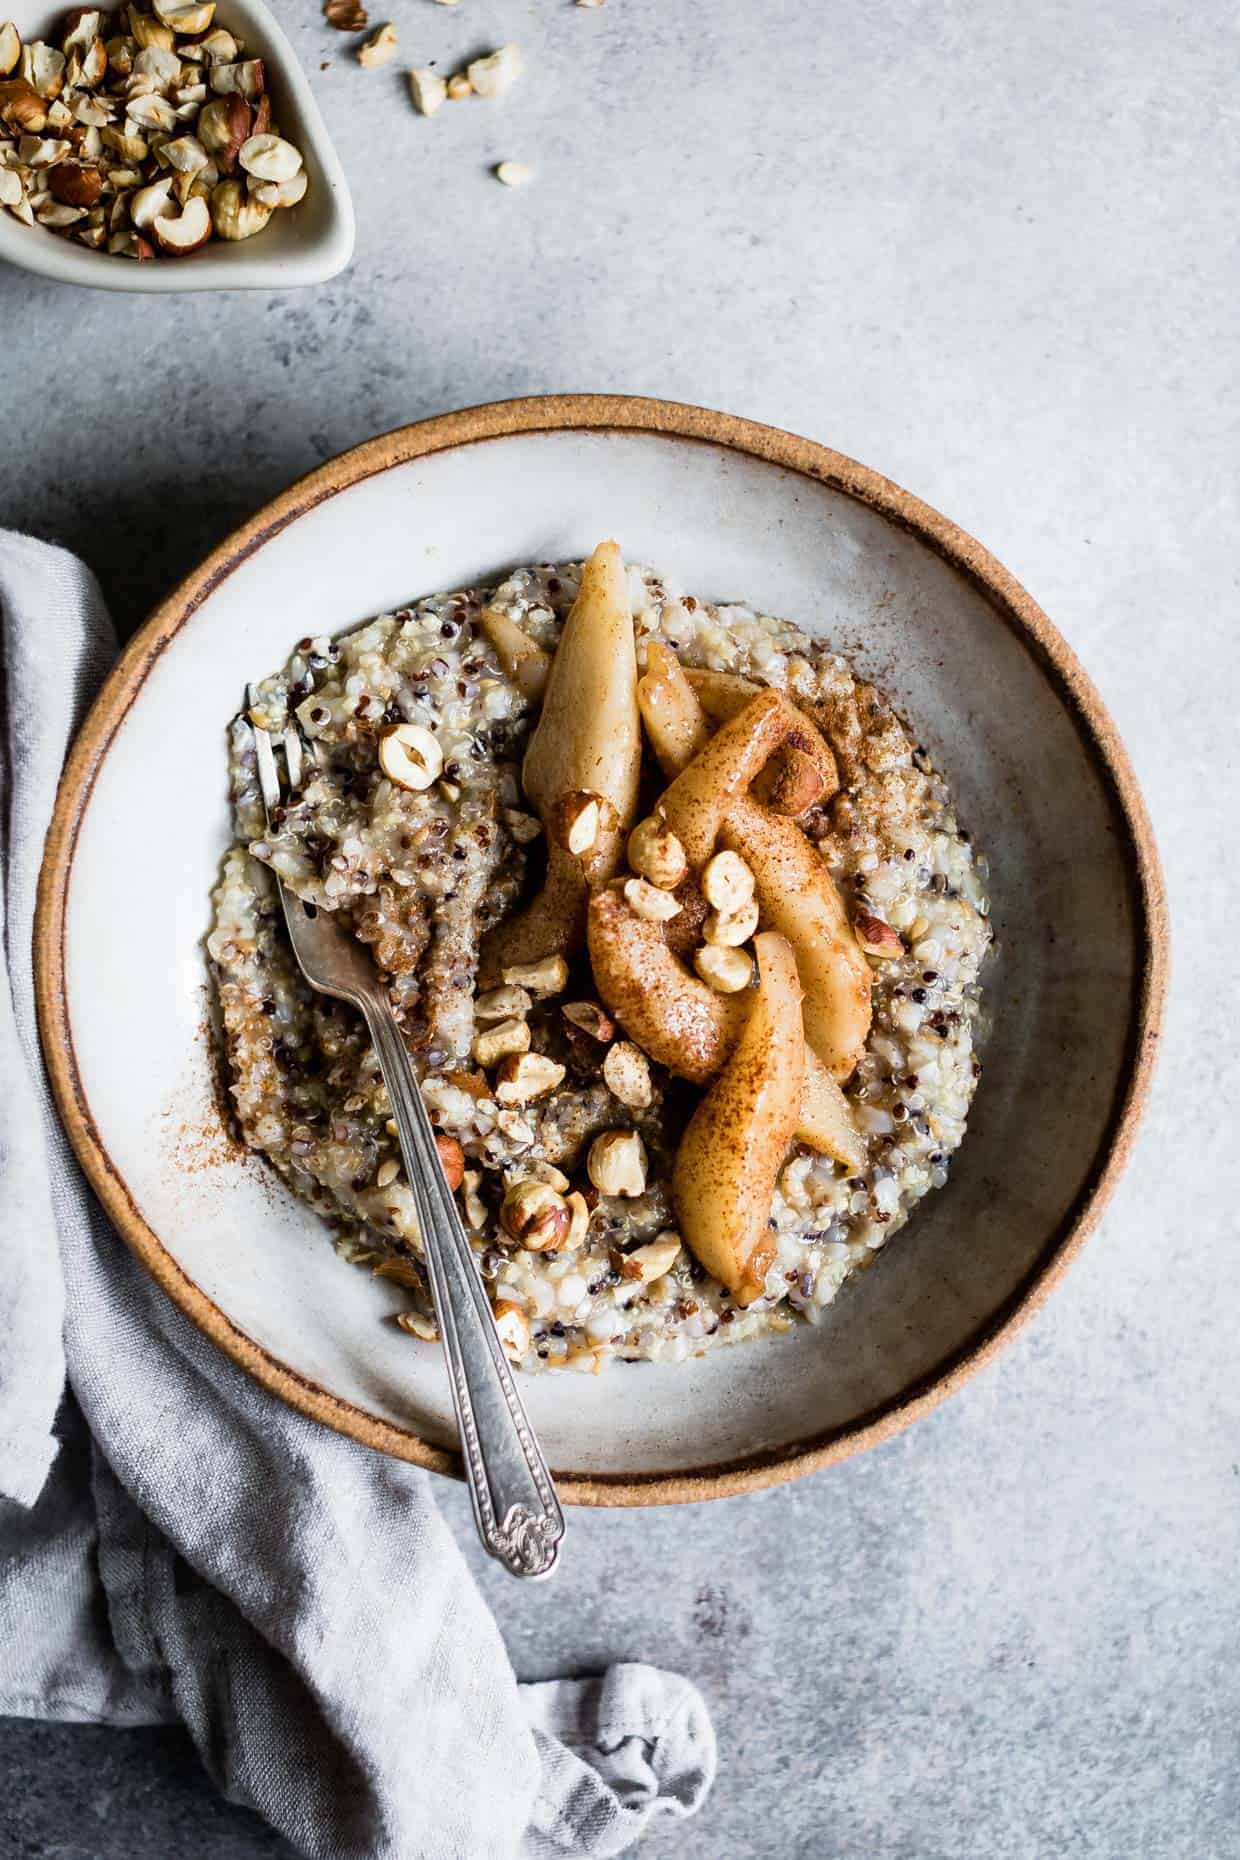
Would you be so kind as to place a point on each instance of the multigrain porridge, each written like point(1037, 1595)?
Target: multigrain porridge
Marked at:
point(681, 930)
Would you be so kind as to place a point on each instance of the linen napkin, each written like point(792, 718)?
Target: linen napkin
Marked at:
point(197, 1551)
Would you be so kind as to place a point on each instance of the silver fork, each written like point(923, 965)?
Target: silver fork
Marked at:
point(515, 1505)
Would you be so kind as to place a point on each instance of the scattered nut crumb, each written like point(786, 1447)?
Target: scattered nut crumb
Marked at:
point(346, 15)
point(428, 90)
point(514, 174)
point(378, 48)
point(493, 75)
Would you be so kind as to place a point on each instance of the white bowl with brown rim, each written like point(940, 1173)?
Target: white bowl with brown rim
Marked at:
point(732, 510)
point(305, 244)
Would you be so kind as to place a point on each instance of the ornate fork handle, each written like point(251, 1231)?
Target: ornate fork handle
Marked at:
point(517, 1512)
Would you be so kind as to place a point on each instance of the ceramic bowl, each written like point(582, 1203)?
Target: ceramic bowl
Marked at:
point(303, 245)
point(732, 510)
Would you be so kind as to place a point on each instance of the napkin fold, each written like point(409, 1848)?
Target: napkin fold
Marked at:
point(176, 1544)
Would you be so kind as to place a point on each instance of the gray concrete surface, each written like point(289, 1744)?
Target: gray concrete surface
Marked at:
point(988, 248)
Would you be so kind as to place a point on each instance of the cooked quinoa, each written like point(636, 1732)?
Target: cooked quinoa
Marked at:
point(421, 876)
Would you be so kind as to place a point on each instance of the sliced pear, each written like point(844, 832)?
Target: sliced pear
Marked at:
point(552, 924)
point(695, 804)
point(681, 706)
point(675, 722)
point(522, 658)
point(688, 1027)
point(722, 695)
point(673, 1017)
point(798, 897)
point(587, 742)
point(734, 1148)
point(589, 734)
point(827, 1123)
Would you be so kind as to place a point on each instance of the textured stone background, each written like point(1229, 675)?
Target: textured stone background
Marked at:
point(989, 248)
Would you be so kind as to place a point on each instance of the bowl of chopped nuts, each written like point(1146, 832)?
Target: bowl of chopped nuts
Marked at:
point(165, 146)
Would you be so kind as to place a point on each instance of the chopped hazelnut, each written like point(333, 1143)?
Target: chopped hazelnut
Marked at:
point(410, 756)
point(533, 1214)
point(876, 937)
point(502, 1004)
point(590, 1018)
point(419, 1326)
point(508, 1036)
point(656, 854)
point(617, 1163)
point(727, 970)
point(547, 977)
point(650, 901)
point(652, 1261)
point(513, 1327)
point(531, 1075)
point(727, 882)
point(732, 928)
point(626, 1073)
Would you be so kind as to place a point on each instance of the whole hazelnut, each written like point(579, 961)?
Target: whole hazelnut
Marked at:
point(535, 1215)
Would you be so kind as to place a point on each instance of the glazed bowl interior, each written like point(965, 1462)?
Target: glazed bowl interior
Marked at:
point(1066, 984)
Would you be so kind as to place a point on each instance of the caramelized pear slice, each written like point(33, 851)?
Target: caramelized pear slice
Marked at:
point(802, 774)
point(695, 803)
point(675, 722)
point(662, 1006)
point(522, 658)
point(722, 695)
point(699, 799)
point(827, 1124)
point(586, 746)
point(798, 897)
point(734, 1148)
point(588, 738)
point(684, 1025)
point(680, 706)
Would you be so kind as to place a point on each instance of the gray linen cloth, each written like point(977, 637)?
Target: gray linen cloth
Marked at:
point(195, 1550)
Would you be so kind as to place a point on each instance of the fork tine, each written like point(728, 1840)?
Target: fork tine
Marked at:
point(292, 755)
point(268, 777)
point(309, 746)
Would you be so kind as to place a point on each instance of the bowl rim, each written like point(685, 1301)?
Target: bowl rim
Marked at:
point(677, 421)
